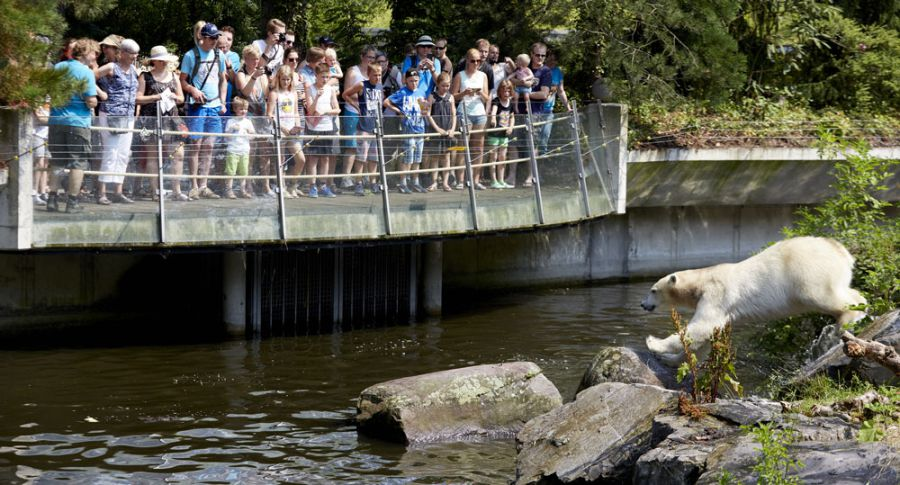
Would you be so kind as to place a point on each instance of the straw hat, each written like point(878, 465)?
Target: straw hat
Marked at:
point(112, 40)
point(160, 53)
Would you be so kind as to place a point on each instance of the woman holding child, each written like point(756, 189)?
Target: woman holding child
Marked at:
point(470, 89)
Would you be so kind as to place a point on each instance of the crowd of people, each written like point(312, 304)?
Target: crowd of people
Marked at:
point(216, 101)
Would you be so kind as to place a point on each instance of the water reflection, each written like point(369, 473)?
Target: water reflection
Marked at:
point(280, 409)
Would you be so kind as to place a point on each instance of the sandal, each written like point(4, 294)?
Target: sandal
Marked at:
point(447, 188)
point(102, 200)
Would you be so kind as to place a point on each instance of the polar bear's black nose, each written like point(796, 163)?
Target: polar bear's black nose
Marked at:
point(647, 307)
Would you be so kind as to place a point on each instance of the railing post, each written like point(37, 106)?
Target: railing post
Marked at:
point(161, 179)
point(535, 176)
point(579, 162)
point(469, 172)
point(379, 140)
point(279, 176)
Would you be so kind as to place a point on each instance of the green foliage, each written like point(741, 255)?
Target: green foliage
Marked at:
point(26, 77)
point(858, 218)
point(774, 464)
point(716, 371)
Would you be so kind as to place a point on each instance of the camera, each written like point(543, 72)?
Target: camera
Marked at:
point(281, 37)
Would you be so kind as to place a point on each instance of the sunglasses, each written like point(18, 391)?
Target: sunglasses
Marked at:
point(475, 61)
point(293, 59)
point(539, 55)
point(440, 48)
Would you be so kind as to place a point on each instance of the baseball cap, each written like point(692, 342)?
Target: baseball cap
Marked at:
point(210, 30)
point(327, 41)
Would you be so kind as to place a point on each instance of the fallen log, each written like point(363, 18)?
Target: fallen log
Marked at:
point(857, 348)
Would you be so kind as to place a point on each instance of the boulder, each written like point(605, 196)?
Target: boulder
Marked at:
point(747, 411)
point(833, 362)
point(597, 437)
point(834, 463)
point(484, 401)
point(628, 366)
point(680, 458)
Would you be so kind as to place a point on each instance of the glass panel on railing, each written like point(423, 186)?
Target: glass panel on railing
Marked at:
point(594, 149)
point(98, 189)
point(561, 190)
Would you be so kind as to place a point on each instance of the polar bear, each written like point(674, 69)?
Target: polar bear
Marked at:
point(792, 277)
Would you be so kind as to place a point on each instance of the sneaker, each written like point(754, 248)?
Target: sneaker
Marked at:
point(38, 200)
point(53, 203)
point(497, 185)
point(327, 192)
point(478, 186)
point(313, 192)
point(418, 188)
point(44, 196)
point(375, 188)
point(194, 193)
point(460, 186)
point(359, 190)
point(507, 186)
point(207, 193)
point(72, 205)
point(346, 183)
point(336, 189)
point(179, 197)
point(403, 189)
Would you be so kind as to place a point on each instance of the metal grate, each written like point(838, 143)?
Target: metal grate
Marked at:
point(308, 292)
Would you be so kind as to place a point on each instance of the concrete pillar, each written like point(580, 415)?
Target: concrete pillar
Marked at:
point(16, 208)
point(432, 277)
point(234, 291)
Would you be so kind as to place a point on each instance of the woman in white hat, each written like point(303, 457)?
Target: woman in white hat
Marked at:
point(160, 90)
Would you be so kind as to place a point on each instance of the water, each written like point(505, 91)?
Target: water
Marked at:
point(278, 410)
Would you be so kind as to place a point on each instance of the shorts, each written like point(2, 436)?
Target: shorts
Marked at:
point(413, 148)
point(70, 146)
point(474, 120)
point(320, 146)
point(366, 150)
point(438, 145)
point(203, 120)
point(348, 128)
point(498, 141)
point(237, 163)
point(39, 147)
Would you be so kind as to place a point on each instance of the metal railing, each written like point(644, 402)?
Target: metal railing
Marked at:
point(559, 147)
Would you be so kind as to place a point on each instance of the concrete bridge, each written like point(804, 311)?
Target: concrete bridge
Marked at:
point(265, 266)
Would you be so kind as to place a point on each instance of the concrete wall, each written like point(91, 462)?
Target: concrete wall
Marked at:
point(15, 194)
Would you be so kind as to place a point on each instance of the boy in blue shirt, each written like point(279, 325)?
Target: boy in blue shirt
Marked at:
point(409, 104)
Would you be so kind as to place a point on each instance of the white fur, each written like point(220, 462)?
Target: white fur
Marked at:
point(792, 277)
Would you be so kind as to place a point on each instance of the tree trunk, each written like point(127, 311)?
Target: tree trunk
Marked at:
point(885, 355)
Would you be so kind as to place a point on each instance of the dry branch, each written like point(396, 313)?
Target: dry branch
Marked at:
point(885, 355)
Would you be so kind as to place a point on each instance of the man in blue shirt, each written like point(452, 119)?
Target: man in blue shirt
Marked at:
point(70, 133)
point(205, 87)
point(425, 63)
point(408, 102)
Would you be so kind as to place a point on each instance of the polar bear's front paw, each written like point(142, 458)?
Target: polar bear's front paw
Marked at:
point(667, 350)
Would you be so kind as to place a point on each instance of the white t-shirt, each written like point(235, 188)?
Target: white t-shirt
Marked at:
point(239, 145)
point(471, 105)
point(353, 77)
point(275, 54)
point(499, 75)
point(323, 103)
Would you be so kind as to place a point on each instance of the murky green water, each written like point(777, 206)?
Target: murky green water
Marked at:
point(277, 410)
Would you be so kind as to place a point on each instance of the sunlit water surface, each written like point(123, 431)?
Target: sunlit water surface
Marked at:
point(279, 410)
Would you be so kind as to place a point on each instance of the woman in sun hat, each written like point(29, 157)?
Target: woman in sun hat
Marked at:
point(160, 89)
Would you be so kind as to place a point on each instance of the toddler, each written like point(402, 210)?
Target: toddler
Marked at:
point(237, 149)
point(524, 75)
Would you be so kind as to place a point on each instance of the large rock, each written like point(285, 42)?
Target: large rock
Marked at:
point(484, 401)
point(834, 463)
point(597, 437)
point(680, 458)
point(626, 365)
point(885, 329)
point(746, 411)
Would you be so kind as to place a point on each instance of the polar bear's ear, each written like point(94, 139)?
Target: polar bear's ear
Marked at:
point(673, 279)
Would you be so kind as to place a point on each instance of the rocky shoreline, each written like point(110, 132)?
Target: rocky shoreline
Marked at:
point(624, 424)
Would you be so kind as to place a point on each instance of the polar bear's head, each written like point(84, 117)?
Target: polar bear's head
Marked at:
point(674, 290)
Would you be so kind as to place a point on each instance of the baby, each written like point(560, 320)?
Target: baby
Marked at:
point(524, 75)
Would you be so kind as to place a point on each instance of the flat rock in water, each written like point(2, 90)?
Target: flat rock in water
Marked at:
point(484, 401)
point(885, 329)
point(629, 366)
point(832, 463)
point(599, 436)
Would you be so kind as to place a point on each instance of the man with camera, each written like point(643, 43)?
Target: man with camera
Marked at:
point(425, 63)
point(204, 82)
point(272, 47)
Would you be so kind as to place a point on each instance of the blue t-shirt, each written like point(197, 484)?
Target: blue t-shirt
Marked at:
point(207, 59)
point(542, 74)
point(556, 78)
point(235, 60)
point(75, 112)
point(426, 80)
point(369, 104)
point(406, 101)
